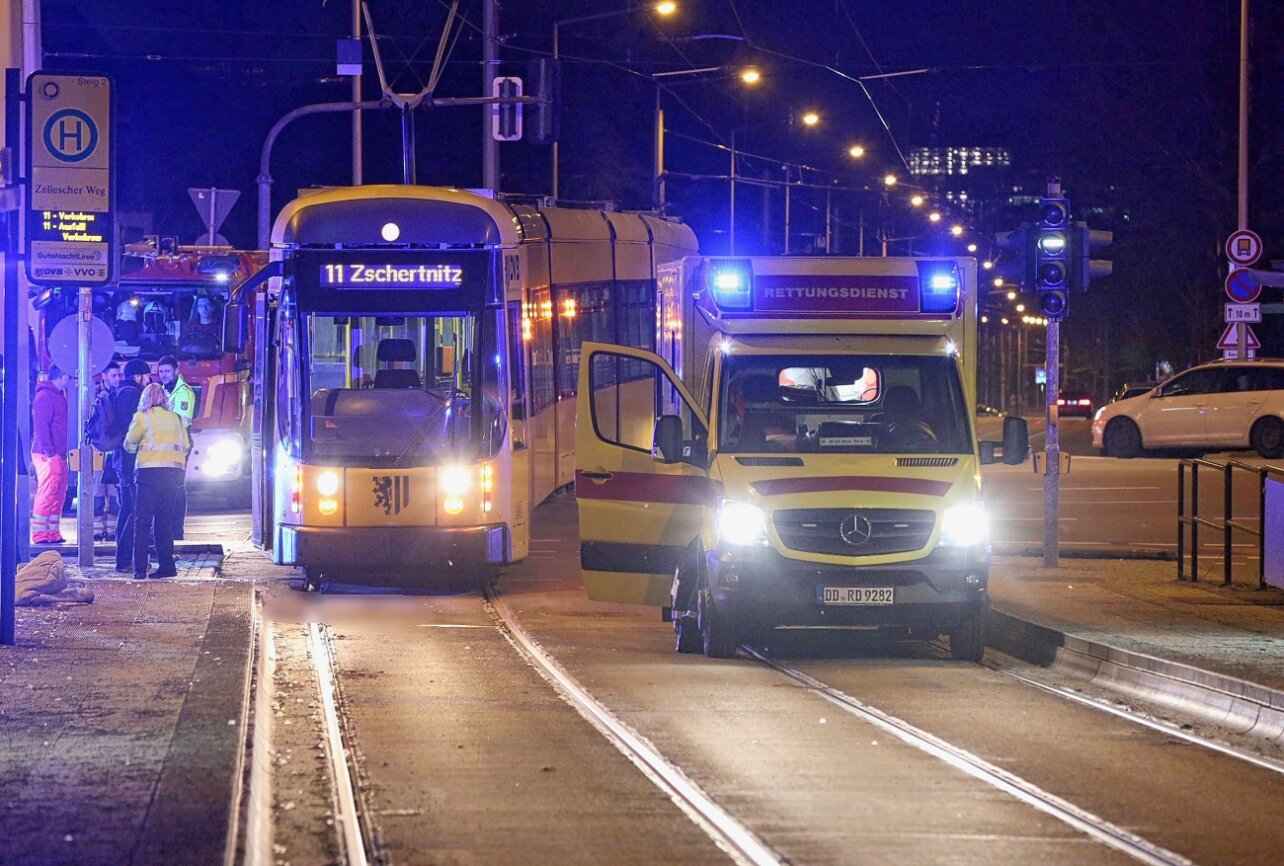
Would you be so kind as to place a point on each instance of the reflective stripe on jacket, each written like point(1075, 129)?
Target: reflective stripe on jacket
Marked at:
point(159, 438)
point(182, 400)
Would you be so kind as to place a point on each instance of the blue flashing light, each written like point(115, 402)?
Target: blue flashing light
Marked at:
point(939, 287)
point(732, 283)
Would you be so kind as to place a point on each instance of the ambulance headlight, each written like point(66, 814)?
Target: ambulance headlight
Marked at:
point(454, 481)
point(741, 524)
point(964, 525)
point(223, 455)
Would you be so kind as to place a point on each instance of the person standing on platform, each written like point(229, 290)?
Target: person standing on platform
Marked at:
point(49, 456)
point(100, 418)
point(182, 402)
point(158, 438)
point(137, 374)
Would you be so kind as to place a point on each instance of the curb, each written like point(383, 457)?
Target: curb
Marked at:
point(1224, 701)
point(67, 550)
point(1086, 552)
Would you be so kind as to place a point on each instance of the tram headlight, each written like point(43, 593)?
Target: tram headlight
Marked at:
point(328, 506)
point(741, 524)
point(454, 482)
point(328, 483)
point(965, 524)
point(453, 504)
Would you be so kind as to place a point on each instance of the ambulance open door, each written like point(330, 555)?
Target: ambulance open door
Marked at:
point(639, 507)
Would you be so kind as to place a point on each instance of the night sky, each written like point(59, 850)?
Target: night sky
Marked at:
point(1133, 106)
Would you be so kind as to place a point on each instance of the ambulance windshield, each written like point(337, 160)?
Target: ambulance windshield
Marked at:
point(848, 404)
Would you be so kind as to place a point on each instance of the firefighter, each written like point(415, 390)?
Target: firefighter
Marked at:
point(182, 402)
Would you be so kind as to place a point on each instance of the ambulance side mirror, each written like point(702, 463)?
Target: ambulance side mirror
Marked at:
point(666, 442)
point(1014, 448)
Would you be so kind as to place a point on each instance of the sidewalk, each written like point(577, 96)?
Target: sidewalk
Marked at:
point(122, 721)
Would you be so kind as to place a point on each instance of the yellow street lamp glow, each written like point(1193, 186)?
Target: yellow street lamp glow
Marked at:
point(668, 7)
point(856, 150)
point(987, 264)
point(971, 248)
point(1005, 320)
point(1020, 308)
point(956, 230)
point(984, 319)
point(811, 118)
point(890, 180)
point(934, 217)
point(998, 282)
point(916, 200)
point(751, 76)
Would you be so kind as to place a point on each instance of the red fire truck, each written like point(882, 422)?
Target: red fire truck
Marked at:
point(169, 300)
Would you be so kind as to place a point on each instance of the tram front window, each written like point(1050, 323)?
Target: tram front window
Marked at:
point(405, 389)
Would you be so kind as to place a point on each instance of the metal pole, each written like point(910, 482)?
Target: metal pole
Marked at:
point(84, 398)
point(731, 230)
point(829, 224)
point(1241, 329)
point(1181, 519)
point(264, 179)
point(490, 68)
point(407, 146)
point(1052, 480)
point(1228, 508)
point(787, 191)
point(658, 156)
point(11, 379)
point(356, 99)
point(860, 244)
point(556, 55)
point(213, 210)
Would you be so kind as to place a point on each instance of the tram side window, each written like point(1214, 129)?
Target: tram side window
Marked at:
point(543, 385)
point(583, 313)
point(516, 362)
point(636, 323)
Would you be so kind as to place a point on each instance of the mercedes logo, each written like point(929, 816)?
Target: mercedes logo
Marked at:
point(855, 530)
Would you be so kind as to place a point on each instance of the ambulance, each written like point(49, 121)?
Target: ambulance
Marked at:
point(799, 451)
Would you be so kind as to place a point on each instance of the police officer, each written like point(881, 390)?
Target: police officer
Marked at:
point(182, 402)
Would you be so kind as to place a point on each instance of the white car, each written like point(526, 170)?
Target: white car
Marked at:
point(1222, 405)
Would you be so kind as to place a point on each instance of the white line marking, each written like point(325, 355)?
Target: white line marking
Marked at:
point(258, 817)
point(346, 814)
point(729, 835)
point(1096, 827)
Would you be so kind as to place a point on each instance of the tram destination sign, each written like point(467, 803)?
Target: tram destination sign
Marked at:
point(390, 275)
point(70, 230)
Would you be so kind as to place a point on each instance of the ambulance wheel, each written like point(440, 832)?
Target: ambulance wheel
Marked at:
point(686, 623)
point(967, 639)
point(718, 626)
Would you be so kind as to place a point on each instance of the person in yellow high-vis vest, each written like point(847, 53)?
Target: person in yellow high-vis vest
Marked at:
point(159, 440)
point(182, 402)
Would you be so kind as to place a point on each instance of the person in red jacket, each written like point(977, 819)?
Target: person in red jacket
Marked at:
point(49, 455)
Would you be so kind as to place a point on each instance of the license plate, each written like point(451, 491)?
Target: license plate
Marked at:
point(856, 595)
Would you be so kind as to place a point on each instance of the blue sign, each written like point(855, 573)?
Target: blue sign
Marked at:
point(1241, 287)
point(70, 135)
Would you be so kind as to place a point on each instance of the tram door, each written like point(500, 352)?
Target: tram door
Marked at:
point(263, 421)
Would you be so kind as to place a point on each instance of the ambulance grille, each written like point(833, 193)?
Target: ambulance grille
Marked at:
point(769, 461)
point(927, 461)
point(854, 531)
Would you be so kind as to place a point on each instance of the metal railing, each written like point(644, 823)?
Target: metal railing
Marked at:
point(1227, 525)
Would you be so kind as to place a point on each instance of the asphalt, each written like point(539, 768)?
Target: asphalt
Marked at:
point(122, 722)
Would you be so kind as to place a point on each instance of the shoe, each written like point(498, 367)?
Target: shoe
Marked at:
point(156, 575)
point(56, 539)
point(40, 538)
point(138, 576)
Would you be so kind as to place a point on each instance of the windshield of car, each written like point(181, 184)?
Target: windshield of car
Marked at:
point(150, 322)
point(851, 404)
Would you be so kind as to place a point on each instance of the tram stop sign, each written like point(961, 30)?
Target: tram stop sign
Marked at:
point(71, 233)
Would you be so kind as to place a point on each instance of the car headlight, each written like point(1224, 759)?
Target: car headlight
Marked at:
point(223, 454)
point(740, 523)
point(454, 481)
point(965, 524)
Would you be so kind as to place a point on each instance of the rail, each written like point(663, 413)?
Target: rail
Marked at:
point(1227, 525)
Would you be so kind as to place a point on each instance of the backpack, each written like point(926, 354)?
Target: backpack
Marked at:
point(103, 429)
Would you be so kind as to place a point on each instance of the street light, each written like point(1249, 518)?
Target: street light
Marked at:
point(916, 200)
point(934, 217)
point(751, 76)
point(664, 9)
point(811, 118)
point(889, 180)
point(856, 151)
point(956, 230)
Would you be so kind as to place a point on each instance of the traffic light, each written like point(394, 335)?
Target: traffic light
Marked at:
point(545, 80)
point(506, 119)
point(1083, 241)
point(1016, 267)
point(1051, 253)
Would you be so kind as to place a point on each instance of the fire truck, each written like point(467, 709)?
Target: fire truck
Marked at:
point(169, 300)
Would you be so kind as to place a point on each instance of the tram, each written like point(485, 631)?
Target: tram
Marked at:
point(418, 359)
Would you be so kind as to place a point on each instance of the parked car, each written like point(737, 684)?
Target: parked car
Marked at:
point(1075, 403)
point(1234, 405)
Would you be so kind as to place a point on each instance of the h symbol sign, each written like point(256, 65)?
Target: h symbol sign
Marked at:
point(70, 135)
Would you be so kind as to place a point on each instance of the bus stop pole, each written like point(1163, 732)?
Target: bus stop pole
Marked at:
point(84, 399)
point(10, 381)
